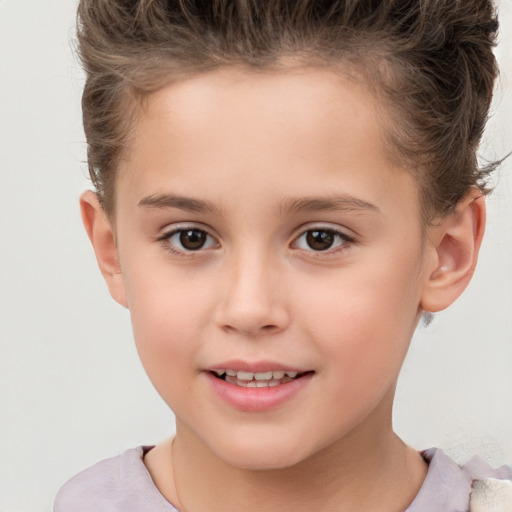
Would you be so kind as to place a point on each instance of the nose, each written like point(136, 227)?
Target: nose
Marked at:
point(253, 299)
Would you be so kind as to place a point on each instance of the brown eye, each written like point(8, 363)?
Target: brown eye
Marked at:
point(192, 239)
point(185, 240)
point(320, 239)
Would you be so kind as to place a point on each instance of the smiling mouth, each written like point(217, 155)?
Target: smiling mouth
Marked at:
point(258, 379)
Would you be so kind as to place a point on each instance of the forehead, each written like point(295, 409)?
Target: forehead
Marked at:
point(278, 131)
point(233, 86)
point(319, 100)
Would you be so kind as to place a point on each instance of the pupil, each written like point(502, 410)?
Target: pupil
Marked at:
point(320, 240)
point(192, 239)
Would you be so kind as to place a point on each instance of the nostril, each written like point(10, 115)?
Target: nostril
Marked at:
point(251, 330)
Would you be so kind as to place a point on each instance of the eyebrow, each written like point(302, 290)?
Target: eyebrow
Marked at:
point(288, 206)
point(335, 203)
point(162, 201)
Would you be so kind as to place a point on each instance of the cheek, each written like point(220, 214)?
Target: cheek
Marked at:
point(166, 303)
point(364, 322)
point(167, 318)
point(367, 297)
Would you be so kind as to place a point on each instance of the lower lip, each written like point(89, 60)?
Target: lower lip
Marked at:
point(257, 399)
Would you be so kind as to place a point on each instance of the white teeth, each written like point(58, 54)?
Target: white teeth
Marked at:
point(241, 375)
point(257, 383)
point(256, 379)
point(263, 376)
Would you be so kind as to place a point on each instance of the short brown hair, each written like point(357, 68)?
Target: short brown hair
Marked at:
point(430, 61)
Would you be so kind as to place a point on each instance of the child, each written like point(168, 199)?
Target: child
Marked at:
point(283, 189)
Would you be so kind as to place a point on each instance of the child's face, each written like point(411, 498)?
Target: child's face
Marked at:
point(262, 228)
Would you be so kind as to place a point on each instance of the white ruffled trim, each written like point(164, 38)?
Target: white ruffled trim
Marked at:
point(491, 495)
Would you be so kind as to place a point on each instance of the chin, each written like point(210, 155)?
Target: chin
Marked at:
point(261, 454)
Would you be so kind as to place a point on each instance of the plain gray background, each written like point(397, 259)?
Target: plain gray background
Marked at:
point(71, 388)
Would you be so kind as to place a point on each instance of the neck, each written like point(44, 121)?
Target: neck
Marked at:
point(345, 476)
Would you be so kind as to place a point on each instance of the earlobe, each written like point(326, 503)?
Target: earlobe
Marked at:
point(103, 241)
point(456, 242)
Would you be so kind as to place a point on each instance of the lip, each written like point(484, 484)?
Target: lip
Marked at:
point(257, 399)
point(255, 367)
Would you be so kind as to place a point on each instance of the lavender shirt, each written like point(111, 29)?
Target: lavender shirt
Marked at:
point(123, 484)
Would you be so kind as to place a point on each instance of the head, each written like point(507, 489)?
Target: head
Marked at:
point(284, 187)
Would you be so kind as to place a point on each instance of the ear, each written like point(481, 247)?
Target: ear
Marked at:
point(456, 242)
point(103, 241)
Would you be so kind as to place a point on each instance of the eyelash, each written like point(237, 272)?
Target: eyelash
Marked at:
point(341, 241)
point(165, 240)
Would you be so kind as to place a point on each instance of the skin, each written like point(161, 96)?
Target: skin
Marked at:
point(269, 158)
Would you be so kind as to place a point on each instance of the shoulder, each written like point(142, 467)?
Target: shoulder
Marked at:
point(120, 483)
point(472, 487)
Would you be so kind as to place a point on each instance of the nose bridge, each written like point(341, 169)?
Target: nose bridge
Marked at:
point(252, 299)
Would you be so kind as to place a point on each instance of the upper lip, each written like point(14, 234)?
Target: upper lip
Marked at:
point(255, 366)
